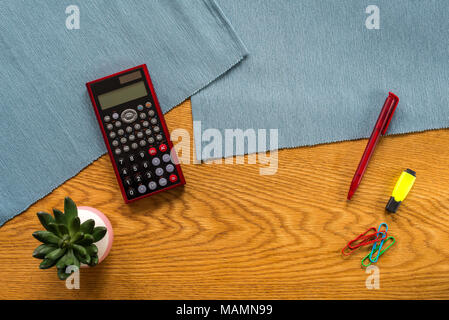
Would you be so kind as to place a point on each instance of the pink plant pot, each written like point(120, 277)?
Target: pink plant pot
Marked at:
point(105, 244)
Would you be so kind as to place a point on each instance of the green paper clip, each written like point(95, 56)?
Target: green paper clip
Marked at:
point(381, 253)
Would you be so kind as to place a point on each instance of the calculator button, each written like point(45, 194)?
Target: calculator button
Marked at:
point(145, 165)
point(132, 137)
point(148, 132)
point(126, 148)
point(128, 181)
point(156, 129)
point(121, 132)
point(148, 174)
point(115, 143)
point(135, 168)
point(163, 148)
point(152, 151)
point(123, 140)
point(145, 124)
point(159, 137)
point(132, 158)
point(142, 154)
point(137, 126)
point(152, 185)
point(139, 135)
point(142, 116)
point(118, 151)
point(138, 178)
point(125, 171)
point(142, 189)
point(173, 178)
point(140, 107)
point(107, 118)
point(166, 158)
point(129, 115)
point(159, 171)
point(170, 168)
point(162, 182)
point(129, 129)
point(131, 192)
point(110, 126)
point(151, 113)
point(134, 146)
point(150, 140)
point(142, 143)
point(153, 121)
point(115, 116)
point(148, 104)
point(118, 124)
point(156, 161)
point(112, 135)
point(121, 161)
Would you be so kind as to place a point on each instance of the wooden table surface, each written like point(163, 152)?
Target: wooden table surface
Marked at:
point(231, 233)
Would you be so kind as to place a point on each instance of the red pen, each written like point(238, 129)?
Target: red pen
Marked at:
point(380, 129)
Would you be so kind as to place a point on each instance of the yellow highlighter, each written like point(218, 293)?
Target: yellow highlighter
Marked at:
point(401, 190)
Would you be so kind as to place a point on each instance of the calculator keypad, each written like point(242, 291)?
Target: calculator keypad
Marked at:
point(140, 149)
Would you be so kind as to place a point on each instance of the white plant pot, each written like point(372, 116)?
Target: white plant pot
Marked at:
point(105, 244)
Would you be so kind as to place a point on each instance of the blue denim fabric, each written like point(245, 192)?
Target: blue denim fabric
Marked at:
point(48, 128)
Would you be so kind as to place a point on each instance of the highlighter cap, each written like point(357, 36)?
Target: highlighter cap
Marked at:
point(393, 205)
point(402, 188)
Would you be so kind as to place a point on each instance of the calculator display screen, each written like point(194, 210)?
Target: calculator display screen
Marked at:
point(122, 95)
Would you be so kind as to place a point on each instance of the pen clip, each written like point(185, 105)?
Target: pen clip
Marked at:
point(392, 100)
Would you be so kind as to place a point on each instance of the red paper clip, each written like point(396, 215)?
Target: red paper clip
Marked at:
point(363, 235)
point(366, 240)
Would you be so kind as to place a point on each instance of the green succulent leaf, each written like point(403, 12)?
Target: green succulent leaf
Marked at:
point(78, 236)
point(74, 226)
point(45, 218)
point(88, 226)
point(47, 263)
point(92, 249)
point(88, 239)
point(80, 249)
point(62, 275)
point(56, 254)
point(76, 261)
point(69, 260)
point(41, 251)
point(70, 210)
point(83, 259)
point(62, 229)
point(46, 237)
point(87, 260)
point(64, 261)
point(59, 216)
point(93, 261)
point(99, 233)
point(53, 227)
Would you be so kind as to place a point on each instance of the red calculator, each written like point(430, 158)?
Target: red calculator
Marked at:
point(135, 133)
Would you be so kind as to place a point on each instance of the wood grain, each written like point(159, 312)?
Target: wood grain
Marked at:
point(231, 233)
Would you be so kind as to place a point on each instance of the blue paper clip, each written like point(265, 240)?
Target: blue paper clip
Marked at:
point(383, 235)
point(380, 226)
point(393, 240)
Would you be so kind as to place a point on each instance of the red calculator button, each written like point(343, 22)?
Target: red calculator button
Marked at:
point(163, 148)
point(152, 151)
point(173, 178)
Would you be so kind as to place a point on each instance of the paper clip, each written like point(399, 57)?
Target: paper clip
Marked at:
point(380, 226)
point(381, 242)
point(366, 240)
point(381, 252)
point(356, 239)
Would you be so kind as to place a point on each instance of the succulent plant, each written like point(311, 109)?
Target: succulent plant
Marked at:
point(66, 242)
